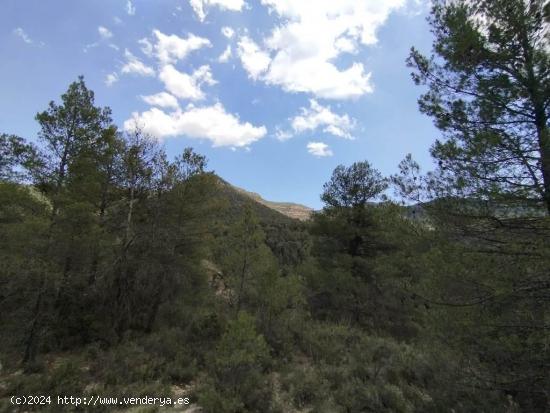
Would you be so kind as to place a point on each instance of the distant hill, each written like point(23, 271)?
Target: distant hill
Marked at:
point(288, 209)
point(479, 209)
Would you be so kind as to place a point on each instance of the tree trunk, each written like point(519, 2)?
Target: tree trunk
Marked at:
point(544, 144)
point(537, 97)
point(241, 284)
point(31, 340)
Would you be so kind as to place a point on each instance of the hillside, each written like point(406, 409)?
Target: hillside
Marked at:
point(290, 209)
point(135, 279)
point(267, 210)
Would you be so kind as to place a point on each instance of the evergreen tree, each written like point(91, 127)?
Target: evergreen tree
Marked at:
point(16, 157)
point(353, 186)
point(245, 260)
point(488, 270)
point(237, 380)
point(68, 132)
point(349, 237)
point(489, 93)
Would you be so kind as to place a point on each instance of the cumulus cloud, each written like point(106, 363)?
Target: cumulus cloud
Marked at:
point(162, 99)
point(135, 66)
point(254, 60)
point(111, 79)
point(319, 149)
point(19, 32)
point(301, 51)
point(317, 116)
point(130, 8)
point(211, 123)
point(226, 55)
point(227, 32)
point(146, 46)
point(200, 7)
point(171, 48)
point(104, 32)
point(283, 135)
point(186, 86)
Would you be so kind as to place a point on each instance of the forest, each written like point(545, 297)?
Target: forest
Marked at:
point(124, 272)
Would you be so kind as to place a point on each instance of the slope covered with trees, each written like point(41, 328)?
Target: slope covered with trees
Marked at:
point(126, 273)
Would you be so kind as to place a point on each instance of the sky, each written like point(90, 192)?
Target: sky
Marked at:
point(276, 93)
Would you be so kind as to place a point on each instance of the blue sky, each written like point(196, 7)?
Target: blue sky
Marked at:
point(276, 93)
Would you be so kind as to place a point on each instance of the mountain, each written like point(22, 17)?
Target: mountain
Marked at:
point(290, 209)
point(271, 210)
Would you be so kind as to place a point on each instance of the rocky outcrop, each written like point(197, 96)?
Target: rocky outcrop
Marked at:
point(289, 209)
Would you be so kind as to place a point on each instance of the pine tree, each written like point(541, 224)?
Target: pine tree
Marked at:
point(17, 157)
point(489, 93)
point(245, 260)
point(70, 132)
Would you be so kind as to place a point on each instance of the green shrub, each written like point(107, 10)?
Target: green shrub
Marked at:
point(237, 380)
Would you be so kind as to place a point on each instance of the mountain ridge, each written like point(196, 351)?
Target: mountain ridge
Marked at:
point(268, 209)
point(290, 209)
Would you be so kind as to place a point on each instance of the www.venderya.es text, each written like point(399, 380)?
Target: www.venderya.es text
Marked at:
point(42, 400)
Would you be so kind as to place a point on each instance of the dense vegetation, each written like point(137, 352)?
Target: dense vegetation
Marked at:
point(126, 273)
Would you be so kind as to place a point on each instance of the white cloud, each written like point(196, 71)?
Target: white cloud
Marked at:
point(130, 8)
point(104, 32)
point(254, 60)
point(418, 7)
point(162, 99)
point(201, 6)
point(111, 79)
point(146, 47)
point(117, 20)
point(320, 116)
point(283, 135)
point(227, 32)
point(312, 34)
point(171, 48)
point(212, 123)
point(19, 32)
point(186, 86)
point(346, 45)
point(135, 66)
point(319, 149)
point(226, 55)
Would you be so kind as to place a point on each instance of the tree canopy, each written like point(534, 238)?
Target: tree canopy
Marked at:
point(353, 186)
point(489, 93)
